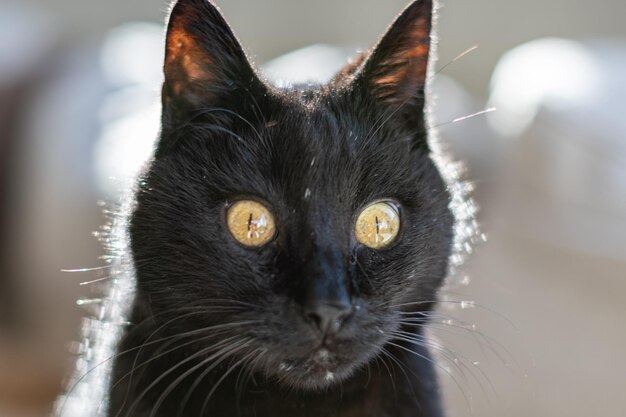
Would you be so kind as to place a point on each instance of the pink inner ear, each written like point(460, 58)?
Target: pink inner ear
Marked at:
point(403, 74)
point(185, 61)
point(408, 66)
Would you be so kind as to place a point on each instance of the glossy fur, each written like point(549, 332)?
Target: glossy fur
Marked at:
point(219, 329)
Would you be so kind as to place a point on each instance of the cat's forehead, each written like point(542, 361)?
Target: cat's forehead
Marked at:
point(287, 148)
point(326, 124)
point(326, 149)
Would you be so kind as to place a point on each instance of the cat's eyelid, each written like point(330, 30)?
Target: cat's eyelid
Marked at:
point(394, 202)
point(229, 202)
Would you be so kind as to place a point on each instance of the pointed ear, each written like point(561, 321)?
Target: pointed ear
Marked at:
point(204, 62)
point(396, 70)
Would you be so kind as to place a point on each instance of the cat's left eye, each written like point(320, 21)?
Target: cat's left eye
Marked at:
point(250, 223)
point(378, 225)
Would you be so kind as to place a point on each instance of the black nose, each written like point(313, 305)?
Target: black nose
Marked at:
point(328, 317)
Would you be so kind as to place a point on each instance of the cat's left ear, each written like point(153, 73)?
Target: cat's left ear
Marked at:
point(204, 62)
point(395, 73)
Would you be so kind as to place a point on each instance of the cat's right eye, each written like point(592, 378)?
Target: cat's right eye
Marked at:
point(250, 223)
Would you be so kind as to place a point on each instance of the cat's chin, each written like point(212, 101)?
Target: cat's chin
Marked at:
point(319, 371)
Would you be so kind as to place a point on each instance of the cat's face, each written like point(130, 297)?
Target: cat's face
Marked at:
point(295, 222)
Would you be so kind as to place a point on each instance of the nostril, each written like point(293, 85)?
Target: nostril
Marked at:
point(329, 318)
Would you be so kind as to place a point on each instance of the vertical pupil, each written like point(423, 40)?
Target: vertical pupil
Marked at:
point(250, 222)
point(377, 226)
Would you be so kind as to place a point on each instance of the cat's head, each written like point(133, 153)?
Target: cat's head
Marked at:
point(294, 225)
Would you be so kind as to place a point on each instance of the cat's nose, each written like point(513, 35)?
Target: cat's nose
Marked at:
point(329, 317)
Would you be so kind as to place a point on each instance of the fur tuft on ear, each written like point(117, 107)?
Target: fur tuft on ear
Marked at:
point(396, 70)
point(203, 59)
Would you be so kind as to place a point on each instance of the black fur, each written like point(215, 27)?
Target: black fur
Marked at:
point(314, 155)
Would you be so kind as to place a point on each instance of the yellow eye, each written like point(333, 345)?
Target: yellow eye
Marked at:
point(251, 223)
point(377, 225)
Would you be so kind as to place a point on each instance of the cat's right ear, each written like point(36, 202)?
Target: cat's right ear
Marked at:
point(204, 62)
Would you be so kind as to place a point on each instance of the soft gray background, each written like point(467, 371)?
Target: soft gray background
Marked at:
point(269, 28)
point(552, 310)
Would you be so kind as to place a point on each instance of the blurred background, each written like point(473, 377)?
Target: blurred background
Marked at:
point(538, 322)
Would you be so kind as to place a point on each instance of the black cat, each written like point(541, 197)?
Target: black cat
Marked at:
point(287, 244)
